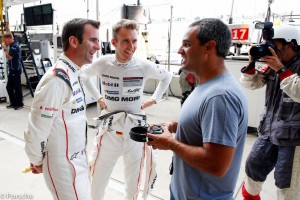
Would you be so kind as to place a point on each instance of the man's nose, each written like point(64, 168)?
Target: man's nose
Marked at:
point(131, 44)
point(98, 45)
point(180, 51)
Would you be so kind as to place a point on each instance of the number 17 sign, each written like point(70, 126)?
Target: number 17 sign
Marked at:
point(239, 33)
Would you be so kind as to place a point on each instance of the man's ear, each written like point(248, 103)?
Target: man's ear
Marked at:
point(210, 45)
point(113, 42)
point(73, 41)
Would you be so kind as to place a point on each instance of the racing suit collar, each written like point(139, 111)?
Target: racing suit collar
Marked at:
point(70, 61)
point(116, 62)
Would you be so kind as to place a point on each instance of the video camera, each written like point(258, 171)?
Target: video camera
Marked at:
point(262, 50)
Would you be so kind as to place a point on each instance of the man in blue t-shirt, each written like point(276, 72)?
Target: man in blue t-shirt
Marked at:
point(212, 126)
point(13, 87)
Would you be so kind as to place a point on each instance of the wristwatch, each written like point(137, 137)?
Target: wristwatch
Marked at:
point(282, 69)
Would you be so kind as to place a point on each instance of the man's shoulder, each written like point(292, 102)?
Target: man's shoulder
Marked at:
point(144, 61)
point(103, 59)
point(56, 77)
point(15, 46)
point(62, 65)
point(106, 57)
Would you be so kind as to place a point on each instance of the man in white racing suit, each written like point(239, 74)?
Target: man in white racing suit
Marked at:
point(55, 141)
point(122, 81)
point(278, 144)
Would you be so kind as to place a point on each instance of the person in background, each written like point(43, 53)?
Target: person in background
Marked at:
point(210, 134)
point(13, 55)
point(187, 83)
point(56, 139)
point(122, 83)
point(278, 142)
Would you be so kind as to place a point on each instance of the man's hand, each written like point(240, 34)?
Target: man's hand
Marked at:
point(7, 27)
point(172, 127)
point(101, 103)
point(272, 61)
point(3, 45)
point(250, 68)
point(36, 169)
point(161, 141)
point(147, 103)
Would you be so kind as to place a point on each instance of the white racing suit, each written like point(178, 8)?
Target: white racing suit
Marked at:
point(56, 135)
point(113, 131)
point(122, 89)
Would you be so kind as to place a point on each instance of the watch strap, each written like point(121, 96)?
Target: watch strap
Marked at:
point(282, 69)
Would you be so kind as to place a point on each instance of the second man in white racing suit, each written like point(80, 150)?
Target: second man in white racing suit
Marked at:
point(122, 82)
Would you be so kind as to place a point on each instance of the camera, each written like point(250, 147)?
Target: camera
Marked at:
point(139, 133)
point(156, 129)
point(262, 50)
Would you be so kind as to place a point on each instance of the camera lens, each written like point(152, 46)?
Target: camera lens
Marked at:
point(138, 133)
point(139, 130)
point(259, 51)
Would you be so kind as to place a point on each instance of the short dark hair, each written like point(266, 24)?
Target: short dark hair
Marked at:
point(124, 23)
point(75, 27)
point(214, 29)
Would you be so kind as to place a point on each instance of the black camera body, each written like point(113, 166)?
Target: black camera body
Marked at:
point(139, 133)
point(262, 50)
point(156, 129)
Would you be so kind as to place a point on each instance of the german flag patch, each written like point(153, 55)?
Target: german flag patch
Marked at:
point(119, 133)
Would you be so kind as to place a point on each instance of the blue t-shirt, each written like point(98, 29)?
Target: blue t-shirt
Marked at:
point(216, 112)
point(15, 64)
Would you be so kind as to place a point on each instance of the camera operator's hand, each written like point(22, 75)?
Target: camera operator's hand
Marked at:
point(250, 68)
point(249, 56)
point(162, 141)
point(272, 61)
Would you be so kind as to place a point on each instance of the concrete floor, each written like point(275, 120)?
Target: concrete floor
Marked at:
point(14, 184)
